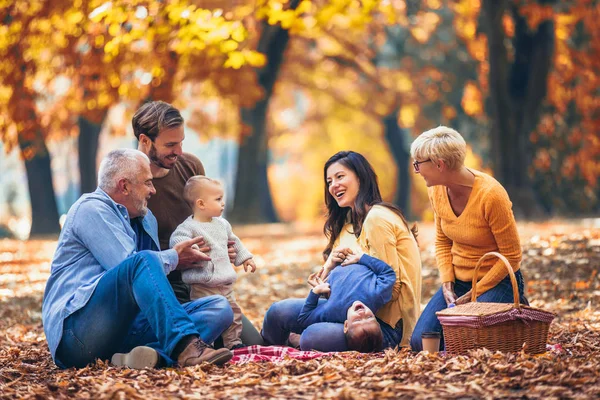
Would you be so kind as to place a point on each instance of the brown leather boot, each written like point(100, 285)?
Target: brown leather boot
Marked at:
point(198, 352)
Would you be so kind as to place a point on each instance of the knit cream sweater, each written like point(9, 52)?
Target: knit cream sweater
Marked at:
point(216, 233)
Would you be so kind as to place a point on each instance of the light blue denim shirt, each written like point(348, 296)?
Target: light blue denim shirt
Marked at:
point(96, 237)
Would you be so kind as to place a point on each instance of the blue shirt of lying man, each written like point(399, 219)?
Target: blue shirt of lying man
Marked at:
point(355, 292)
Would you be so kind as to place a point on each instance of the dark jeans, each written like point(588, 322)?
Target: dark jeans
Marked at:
point(282, 318)
point(133, 305)
point(428, 322)
point(249, 336)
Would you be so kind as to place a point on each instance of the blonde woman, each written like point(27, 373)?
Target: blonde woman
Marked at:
point(473, 216)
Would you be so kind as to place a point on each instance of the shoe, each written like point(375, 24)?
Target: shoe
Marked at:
point(238, 346)
point(198, 352)
point(293, 340)
point(138, 358)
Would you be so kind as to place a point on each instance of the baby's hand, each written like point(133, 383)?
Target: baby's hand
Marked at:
point(196, 247)
point(249, 264)
point(322, 289)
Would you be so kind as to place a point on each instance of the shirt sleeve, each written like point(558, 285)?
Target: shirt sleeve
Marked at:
point(381, 240)
point(242, 252)
point(307, 315)
point(499, 215)
point(183, 232)
point(103, 233)
point(443, 252)
point(386, 278)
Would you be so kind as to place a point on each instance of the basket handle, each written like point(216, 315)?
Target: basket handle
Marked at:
point(513, 280)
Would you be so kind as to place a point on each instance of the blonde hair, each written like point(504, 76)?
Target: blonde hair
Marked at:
point(441, 143)
point(193, 188)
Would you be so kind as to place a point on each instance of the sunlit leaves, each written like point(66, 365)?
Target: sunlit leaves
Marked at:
point(472, 101)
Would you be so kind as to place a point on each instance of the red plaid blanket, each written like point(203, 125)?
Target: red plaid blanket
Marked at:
point(275, 354)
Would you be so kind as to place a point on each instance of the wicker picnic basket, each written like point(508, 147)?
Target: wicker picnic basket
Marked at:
point(495, 326)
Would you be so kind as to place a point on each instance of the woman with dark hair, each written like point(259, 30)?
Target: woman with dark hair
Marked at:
point(358, 221)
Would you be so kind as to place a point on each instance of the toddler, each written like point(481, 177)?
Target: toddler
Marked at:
point(205, 197)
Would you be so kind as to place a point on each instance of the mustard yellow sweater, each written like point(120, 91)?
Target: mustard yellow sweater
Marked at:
point(486, 224)
point(386, 237)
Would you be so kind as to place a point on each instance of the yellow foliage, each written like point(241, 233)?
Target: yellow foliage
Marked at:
point(408, 115)
point(403, 82)
point(254, 58)
point(235, 60)
point(472, 102)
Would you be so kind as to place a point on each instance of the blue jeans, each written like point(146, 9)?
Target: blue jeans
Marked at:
point(282, 318)
point(134, 305)
point(428, 322)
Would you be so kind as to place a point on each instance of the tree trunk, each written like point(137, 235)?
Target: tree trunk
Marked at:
point(89, 135)
point(398, 146)
point(252, 200)
point(44, 212)
point(22, 109)
point(517, 91)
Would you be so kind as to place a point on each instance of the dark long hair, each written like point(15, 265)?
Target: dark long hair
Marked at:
point(368, 196)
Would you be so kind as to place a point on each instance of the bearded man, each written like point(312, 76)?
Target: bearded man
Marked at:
point(159, 129)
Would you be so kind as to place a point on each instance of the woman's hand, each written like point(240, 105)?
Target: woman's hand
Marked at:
point(353, 258)
point(340, 254)
point(464, 299)
point(448, 292)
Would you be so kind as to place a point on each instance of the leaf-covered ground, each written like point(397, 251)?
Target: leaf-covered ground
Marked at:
point(560, 263)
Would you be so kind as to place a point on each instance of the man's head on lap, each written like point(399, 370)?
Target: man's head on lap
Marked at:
point(363, 333)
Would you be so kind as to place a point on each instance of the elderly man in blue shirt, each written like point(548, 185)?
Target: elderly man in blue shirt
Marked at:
point(108, 295)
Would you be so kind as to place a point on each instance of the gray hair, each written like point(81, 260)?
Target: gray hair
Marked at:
point(119, 164)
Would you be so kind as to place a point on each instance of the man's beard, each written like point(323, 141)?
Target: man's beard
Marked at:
point(154, 159)
point(140, 207)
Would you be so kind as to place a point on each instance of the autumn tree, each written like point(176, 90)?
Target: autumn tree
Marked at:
point(539, 99)
point(517, 87)
point(31, 33)
point(405, 71)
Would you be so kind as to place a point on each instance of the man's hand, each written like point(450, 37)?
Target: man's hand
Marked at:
point(448, 292)
point(322, 289)
point(352, 258)
point(464, 299)
point(249, 264)
point(191, 252)
point(313, 279)
point(231, 251)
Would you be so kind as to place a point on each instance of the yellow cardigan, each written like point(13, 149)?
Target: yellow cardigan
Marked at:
point(386, 237)
point(486, 224)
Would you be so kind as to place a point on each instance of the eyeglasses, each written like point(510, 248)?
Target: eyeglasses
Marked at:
point(417, 163)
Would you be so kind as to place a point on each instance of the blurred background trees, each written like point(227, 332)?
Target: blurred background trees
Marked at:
point(292, 82)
